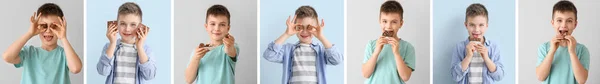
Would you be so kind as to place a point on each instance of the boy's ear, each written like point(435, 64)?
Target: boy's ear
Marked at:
point(205, 26)
point(575, 26)
point(466, 25)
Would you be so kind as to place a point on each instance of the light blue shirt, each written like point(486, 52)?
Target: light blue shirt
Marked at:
point(216, 67)
point(386, 70)
point(41, 66)
point(145, 71)
point(462, 77)
point(285, 53)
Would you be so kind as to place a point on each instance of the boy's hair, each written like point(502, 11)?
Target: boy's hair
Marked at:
point(564, 6)
point(217, 10)
point(392, 7)
point(50, 9)
point(476, 9)
point(130, 8)
point(307, 11)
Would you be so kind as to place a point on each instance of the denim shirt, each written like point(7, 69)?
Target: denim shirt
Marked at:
point(462, 77)
point(106, 66)
point(285, 53)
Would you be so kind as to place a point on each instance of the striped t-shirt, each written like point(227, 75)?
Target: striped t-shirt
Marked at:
point(126, 59)
point(476, 69)
point(304, 70)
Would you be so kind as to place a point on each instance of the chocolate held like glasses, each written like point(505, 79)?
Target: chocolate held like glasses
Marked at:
point(306, 27)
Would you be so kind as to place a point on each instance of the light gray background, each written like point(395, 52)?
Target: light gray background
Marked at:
point(15, 23)
point(363, 26)
point(190, 16)
point(535, 29)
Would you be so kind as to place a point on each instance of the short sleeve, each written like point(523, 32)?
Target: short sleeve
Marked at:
point(584, 57)
point(368, 51)
point(542, 51)
point(409, 57)
point(25, 53)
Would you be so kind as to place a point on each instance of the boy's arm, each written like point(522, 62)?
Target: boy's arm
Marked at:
point(73, 61)
point(191, 72)
point(11, 55)
point(274, 52)
point(333, 56)
point(105, 64)
point(146, 63)
point(370, 60)
point(403, 69)
point(579, 70)
point(458, 72)
point(545, 59)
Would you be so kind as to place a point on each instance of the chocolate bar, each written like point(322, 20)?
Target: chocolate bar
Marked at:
point(388, 34)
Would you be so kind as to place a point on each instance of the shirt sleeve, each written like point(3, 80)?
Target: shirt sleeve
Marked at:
point(368, 51)
point(409, 56)
point(584, 57)
point(148, 69)
point(237, 53)
point(25, 52)
point(274, 53)
point(542, 51)
point(333, 56)
point(458, 55)
point(497, 59)
point(105, 64)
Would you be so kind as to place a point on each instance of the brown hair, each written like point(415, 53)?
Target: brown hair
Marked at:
point(217, 10)
point(130, 8)
point(476, 9)
point(307, 11)
point(564, 6)
point(50, 9)
point(392, 7)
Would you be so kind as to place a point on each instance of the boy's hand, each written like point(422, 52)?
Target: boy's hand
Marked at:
point(318, 30)
point(483, 51)
point(34, 29)
point(379, 43)
point(572, 43)
point(142, 33)
point(291, 27)
point(229, 41)
point(555, 41)
point(470, 48)
point(395, 43)
point(61, 32)
point(200, 52)
point(111, 32)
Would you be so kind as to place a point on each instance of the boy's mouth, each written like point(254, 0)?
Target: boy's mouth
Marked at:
point(304, 36)
point(47, 37)
point(563, 32)
point(476, 35)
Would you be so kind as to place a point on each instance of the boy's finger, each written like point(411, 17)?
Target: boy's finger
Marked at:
point(322, 22)
point(37, 18)
point(294, 20)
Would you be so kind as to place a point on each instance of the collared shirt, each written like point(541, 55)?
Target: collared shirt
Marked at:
point(41, 66)
point(145, 71)
point(216, 67)
point(386, 70)
point(461, 77)
point(284, 54)
point(561, 71)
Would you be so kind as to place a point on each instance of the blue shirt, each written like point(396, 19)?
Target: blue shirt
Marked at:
point(41, 66)
point(459, 54)
point(106, 66)
point(285, 53)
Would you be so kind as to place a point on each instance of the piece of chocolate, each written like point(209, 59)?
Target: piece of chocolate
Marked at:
point(388, 34)
point(108, 23)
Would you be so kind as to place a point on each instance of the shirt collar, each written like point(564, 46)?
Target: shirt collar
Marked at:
point(311, 43)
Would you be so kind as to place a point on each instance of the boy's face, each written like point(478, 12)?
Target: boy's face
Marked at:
point(304, 35)
point(476, 26)
point(390, 22)
point(45, 22)
point(564, 23)
point(217, 26)
point(128, 26)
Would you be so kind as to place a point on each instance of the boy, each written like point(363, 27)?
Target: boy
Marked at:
point(389, 59)
point(214, 63)
point(476, 60)
point(49, 63)
point(127, 60)
point(563, 60)
point(303, 62)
